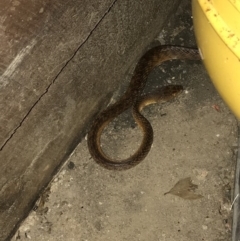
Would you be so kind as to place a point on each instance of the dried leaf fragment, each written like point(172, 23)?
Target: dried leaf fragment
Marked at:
point(185, 189)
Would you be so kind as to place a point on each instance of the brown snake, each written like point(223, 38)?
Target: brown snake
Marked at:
point(133, 98)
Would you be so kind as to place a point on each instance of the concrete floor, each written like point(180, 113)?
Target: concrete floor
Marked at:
point(194, 136)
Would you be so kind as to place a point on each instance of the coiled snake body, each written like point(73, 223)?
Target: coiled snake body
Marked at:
point(133, 98)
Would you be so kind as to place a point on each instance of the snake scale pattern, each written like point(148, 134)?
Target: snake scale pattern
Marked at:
point(134, 99)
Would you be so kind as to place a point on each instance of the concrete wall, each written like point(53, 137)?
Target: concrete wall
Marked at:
point(60, 64)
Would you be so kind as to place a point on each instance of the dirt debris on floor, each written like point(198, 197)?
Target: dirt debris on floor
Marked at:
point(195, 136)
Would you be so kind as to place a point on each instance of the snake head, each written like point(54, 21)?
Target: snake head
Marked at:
point(160, 95)
point(166, 93)
point(172, 90)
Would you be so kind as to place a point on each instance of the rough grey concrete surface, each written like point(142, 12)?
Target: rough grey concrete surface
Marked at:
point(60, 63)
point(194, 136)
point(38, 39)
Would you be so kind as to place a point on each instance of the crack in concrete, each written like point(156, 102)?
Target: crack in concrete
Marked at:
point(61, 70)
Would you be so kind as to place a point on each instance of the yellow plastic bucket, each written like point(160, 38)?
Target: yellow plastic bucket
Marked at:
point(217, 30)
